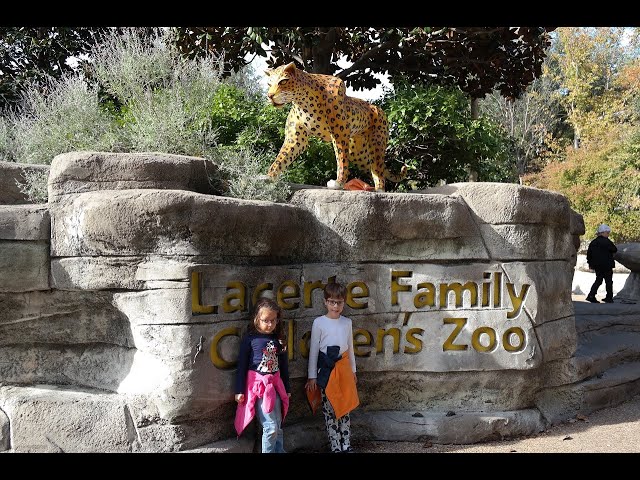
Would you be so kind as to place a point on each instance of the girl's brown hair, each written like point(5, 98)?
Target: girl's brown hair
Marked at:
point(269, 304)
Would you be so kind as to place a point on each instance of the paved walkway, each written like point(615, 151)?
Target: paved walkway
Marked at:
point(611, 430)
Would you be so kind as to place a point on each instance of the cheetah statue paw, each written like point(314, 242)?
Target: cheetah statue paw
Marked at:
point(333, 185)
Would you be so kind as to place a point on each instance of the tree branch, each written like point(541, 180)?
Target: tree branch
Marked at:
point(358, 64)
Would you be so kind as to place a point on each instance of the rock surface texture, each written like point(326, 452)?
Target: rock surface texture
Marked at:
point(122, 300)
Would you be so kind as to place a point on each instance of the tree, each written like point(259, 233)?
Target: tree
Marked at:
point(602, 183)
point(587, 62)
point(478, 60)
point(38, 54)
point(30, 54)
point(629, 82)
point(531, 122)
point(597, 71)
point(433, 133)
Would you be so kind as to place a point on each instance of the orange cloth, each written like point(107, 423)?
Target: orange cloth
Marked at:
point(314, 398)
point(341, 389)
point(357, 184)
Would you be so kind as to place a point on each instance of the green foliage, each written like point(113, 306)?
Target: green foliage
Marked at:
point(602, 183)
point(495, 163)
point(233, 111)
point(243, 177)
point(31, 55)
point(67, 117)
point(431, 131)
point(264, 132)
point(317, 165)
point(35, 185)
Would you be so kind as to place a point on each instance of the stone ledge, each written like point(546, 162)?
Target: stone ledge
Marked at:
point(417, 426)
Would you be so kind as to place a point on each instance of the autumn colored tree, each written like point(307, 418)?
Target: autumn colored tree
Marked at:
point(629, 81)
point(602, 184)
point(587, 62)
point(597, 72)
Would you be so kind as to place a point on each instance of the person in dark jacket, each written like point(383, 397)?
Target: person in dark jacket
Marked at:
point(600, 259)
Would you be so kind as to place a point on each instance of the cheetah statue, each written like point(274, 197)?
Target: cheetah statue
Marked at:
point(320, 108)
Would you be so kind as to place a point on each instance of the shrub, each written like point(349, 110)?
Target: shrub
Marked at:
point(602, 183)
point(244, 177)
point(165, 101)
point(138, 95)
point(65, 117)
point(7, 149)
point(432, 132)
point(35, 185)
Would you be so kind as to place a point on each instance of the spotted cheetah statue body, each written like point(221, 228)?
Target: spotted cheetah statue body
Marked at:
point(358, 130)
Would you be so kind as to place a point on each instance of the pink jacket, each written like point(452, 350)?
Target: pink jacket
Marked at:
point(260, 386)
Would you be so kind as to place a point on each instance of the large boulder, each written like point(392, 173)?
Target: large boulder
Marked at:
point(81, 172)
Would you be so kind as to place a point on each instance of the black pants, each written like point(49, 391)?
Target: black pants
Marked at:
point(607, 276)
point(338, 429)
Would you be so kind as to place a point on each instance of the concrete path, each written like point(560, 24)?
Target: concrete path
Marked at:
point(611, 430)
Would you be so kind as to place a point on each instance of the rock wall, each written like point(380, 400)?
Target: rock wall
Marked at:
point(123, 298)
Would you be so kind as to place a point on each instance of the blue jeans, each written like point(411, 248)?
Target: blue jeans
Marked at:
point(272, 435)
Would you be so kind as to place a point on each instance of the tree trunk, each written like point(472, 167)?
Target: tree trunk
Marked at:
point(323, 51)
point(473, 175)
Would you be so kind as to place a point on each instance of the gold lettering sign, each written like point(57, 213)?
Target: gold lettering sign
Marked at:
point(397, 310)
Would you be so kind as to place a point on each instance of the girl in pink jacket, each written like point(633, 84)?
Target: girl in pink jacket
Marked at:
point(262, 378)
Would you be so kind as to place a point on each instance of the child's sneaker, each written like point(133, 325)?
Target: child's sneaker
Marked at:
point(592, 299)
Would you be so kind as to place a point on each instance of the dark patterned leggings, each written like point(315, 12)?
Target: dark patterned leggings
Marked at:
point(339, 430)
